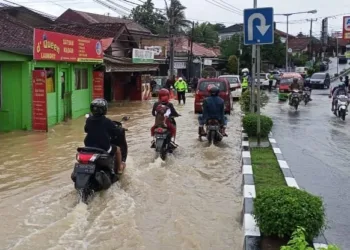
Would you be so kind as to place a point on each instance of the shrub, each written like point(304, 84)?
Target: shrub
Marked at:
point(250, 124)
point(244, 101)
point(279, 211)
point(299, 242)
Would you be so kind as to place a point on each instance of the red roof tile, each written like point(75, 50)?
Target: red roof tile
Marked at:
point(181, 46)
point(299, 44)
point(97, 18)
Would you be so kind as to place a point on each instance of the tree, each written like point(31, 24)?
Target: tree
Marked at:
point(205, 33)
point(218, 27)
point(149, 17)
point(177, 11)
point(232, 64)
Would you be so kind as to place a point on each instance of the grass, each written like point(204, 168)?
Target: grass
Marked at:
point(266, 170)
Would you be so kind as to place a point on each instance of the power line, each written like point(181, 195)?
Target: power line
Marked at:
point(223, 7)
point(231, 6)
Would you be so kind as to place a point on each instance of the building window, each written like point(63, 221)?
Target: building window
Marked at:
point(81, 79)
point(50, 79)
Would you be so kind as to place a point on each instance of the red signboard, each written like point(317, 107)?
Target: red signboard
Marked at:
point(52, 46)
point(39, 105)
point(346, 27)
point(97, 85)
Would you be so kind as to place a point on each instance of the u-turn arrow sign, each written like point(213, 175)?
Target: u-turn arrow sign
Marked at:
point(258, 26)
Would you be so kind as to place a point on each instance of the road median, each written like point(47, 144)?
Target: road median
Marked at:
point(275, 209)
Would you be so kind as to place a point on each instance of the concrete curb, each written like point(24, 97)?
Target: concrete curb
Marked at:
point(319, 241)
point(346, 72)
point(252, 236)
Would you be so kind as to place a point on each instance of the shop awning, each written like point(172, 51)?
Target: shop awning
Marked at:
point(125, 65)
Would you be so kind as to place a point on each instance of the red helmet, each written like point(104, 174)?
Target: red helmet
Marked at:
point(163, 94)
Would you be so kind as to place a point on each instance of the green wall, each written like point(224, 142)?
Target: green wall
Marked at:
point(15, 113)
point(16, 74)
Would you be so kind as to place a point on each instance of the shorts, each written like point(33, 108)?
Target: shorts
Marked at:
point(112, 150)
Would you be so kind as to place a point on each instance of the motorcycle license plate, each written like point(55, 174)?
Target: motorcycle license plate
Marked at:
point(213, 127)
point(161, 136)
point(84, 168)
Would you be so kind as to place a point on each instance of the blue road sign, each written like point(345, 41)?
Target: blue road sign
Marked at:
point(258, 26)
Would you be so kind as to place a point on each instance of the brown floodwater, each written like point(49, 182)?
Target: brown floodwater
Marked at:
point(192, 201)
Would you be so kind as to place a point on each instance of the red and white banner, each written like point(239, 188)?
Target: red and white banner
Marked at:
point(39, 103)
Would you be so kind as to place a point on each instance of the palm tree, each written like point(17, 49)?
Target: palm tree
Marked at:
point(177, 11)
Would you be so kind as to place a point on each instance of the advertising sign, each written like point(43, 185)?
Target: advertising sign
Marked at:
point(52, 46)
point(39, 104)
point(142, 56)
point(97, 85)
point(346, 27)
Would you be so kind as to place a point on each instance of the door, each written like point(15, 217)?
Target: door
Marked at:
point(66, 95)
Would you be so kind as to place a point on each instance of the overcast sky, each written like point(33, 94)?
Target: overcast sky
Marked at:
point(227, 12)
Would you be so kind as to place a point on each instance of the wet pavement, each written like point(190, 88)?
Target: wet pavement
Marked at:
point(193, 201)
point(333, 68)
point(315, 144)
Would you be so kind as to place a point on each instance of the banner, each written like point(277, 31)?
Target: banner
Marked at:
point(97, 85)
point(39, 105)
point(52, 46)
point(346, 27)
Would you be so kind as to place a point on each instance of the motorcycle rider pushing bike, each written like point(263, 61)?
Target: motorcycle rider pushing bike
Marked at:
point(100, 130)
point(213, 108)
point(335, 92)
point(164, 109)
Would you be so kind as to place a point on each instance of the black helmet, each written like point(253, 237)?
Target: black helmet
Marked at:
point(98, 107)
point(213, 90)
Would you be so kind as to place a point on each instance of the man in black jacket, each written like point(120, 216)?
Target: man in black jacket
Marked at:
point(100, 131)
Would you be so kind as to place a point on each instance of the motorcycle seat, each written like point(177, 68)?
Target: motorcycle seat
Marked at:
point(91, 150)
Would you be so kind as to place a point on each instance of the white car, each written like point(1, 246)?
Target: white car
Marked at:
point(235, 85)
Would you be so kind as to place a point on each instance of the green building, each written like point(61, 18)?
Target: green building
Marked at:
point(68, 85)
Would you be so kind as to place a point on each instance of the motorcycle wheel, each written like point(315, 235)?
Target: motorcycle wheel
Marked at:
point(162, 154)
point(85, 195)
point(212, 136)
point(342, 114)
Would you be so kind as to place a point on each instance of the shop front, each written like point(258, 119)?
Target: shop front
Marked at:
point(65, 63)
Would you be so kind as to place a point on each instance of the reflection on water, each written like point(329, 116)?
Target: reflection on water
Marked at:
point(193, 201)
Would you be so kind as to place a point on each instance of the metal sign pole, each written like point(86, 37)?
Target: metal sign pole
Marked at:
point(254, 75)
point(258, 60)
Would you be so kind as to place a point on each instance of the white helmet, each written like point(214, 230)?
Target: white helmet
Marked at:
point(245, 70)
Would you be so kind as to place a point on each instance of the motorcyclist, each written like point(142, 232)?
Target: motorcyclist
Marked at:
point(100, 130)
point(213, 108)
point(335, 92)
point(307, 84)
point(164, 109)
point(295, 86)
point(245, 79)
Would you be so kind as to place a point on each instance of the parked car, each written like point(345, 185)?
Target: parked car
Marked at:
point(302, 71)
point(324, 66)
point(320, 80)
point(235, 85)
point(342, 60)
point(202, 93)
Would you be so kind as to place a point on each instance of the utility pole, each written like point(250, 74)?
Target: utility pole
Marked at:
point(258, 59)
point(252, 92)
point(311, 40)
point(287, 64)
point(239, 53)
point(171, 36)
point(191, 54)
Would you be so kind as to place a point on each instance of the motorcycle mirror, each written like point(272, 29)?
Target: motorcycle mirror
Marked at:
point(125, 118)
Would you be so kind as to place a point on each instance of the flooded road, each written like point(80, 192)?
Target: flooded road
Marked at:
point(193, 201)
point(315, 143)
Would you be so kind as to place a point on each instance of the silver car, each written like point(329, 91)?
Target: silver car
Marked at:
point(322, 80)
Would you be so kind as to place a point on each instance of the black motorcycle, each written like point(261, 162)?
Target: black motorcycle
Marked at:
point(162, 137)
point(94, 170)
point(213, 128)
point(295, 99)
point(306, 95)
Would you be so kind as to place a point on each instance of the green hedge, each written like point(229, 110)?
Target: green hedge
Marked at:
point(244, 100)
point(281, 210)
point(250, 124)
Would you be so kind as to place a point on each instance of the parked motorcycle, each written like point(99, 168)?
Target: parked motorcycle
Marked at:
point(342, 106)
point(306, 95)
point(213, 129)
point(295, 99)
point(94, 170)
point(162, 138)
